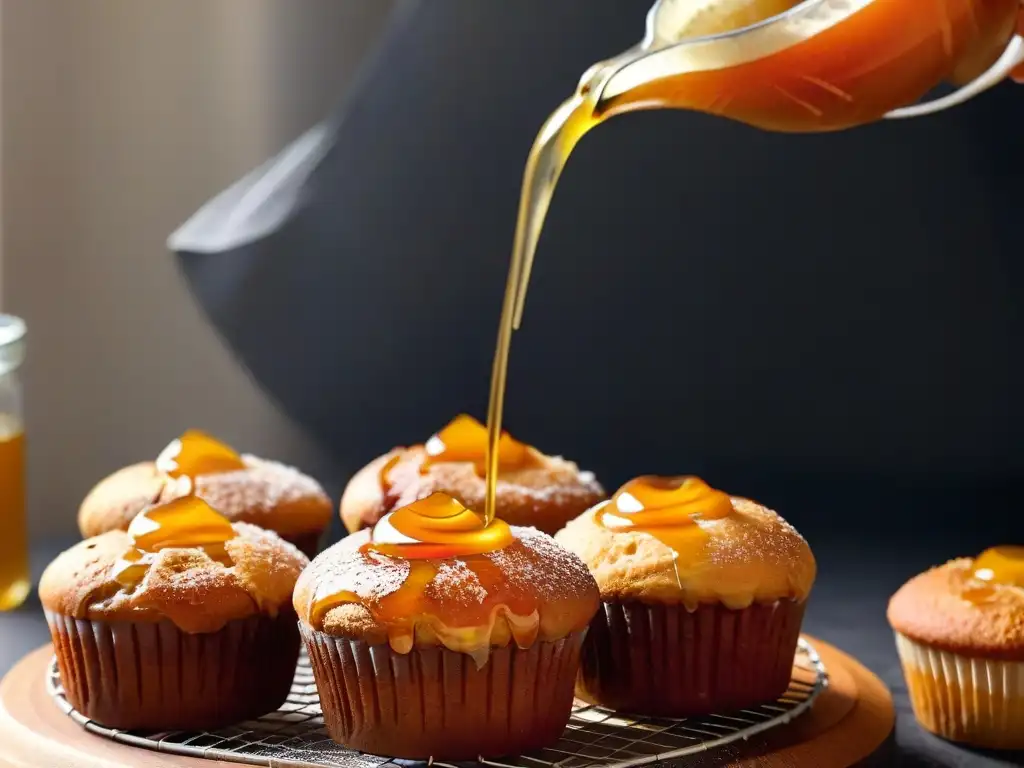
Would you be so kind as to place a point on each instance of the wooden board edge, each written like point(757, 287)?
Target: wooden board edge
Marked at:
point(43, 735)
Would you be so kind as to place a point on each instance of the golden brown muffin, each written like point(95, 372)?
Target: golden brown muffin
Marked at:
point(437, 636)
point(702, 596)
point(533, 489)
point(243, 488)
point(182, 622)
point(960, 636)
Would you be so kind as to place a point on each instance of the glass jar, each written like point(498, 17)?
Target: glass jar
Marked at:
point(15, 578)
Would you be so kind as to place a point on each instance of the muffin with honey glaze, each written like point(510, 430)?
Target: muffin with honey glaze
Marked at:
point(960, 637)
point(437, 636)
point(702, 599)
point(182, 622)
point(533, 489)
point(243, 488)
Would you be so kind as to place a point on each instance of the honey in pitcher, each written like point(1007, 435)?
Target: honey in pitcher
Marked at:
point(823, 65)
point(14, 565)
point(834, 65)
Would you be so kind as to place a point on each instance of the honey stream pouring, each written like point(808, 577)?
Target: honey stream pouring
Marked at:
point(778, 65)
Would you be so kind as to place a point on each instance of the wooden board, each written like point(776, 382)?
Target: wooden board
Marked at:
point(849, 721)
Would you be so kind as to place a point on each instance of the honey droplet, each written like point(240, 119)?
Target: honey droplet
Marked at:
point(182, 523)
point(185, 522)
point(1001, 565)
point(437, 527)
point(653, 502)
point(131, 568)
point(196, 453)
point(465, 439)
point(668, 508)
point(440, 548)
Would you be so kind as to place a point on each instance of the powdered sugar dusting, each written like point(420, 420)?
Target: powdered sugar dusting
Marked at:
point(543, 566)
point(768, 538)
point(258, 491)
point(547, 495)
point(464, 603)
point(455, 583)
point(282, 483)
point(345, 568)
point(184, 584)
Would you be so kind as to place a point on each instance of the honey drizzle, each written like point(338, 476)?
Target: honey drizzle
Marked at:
point(754, 91)
point(187, 522)
point(437, 527)
point(197, 453)
point(464, 439)
point(430, 537)
point(668, 509)
point(548, 156)
point(1001, 565)
point(466, 629)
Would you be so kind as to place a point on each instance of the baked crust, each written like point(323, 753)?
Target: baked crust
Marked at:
point(265, 493)
point(565, 592)
point(751, 555)
point(186, 586)
point(544, 496)
point(933, 609)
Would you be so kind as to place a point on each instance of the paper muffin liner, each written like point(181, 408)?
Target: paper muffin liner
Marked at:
point(436, 703)
point(665, 660)
point(971, 700)
point(132, 675)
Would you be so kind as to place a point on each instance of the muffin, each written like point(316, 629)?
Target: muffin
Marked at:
point(437, 636)
point(960, 637)
point(702, 599)
point(533, 489)
point(243, 488)
point(184, 621)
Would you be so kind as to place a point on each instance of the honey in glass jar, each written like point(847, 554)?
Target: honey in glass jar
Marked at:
point(14, 565)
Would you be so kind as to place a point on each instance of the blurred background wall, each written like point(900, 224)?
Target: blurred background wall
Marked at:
point(787, 315)
point(119, 119)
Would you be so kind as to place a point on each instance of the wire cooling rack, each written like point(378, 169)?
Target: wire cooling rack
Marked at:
point(294, 736)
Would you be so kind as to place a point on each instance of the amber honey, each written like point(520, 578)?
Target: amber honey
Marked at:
point(1001, 565)
point(14, 564)
point(437, 537)
point(826, 75)
point(185, 522)
point(195, 453)
point(465, 439)
point(822, 66)
point(668, 509)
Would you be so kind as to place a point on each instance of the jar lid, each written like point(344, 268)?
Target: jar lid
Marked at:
point(12, 343)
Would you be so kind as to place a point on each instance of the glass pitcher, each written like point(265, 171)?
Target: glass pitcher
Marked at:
point(14, 562)
point(822, 65)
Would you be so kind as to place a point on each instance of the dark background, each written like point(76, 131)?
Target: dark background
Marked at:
point(819, 322)
point(828, 324)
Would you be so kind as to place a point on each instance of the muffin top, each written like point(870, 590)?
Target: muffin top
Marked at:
point(676, 540)
point(433, 573)
point(243, 488)
point(973, 607)
point(180, 561)
point(533, 489)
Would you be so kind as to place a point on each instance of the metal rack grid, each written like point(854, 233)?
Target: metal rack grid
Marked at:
point(294, 735)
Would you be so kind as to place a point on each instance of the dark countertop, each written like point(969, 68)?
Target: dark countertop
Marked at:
point(847, 609)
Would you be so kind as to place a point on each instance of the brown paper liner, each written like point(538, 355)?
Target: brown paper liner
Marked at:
point(435, 703)
point(133, 675)
point(664, 660)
